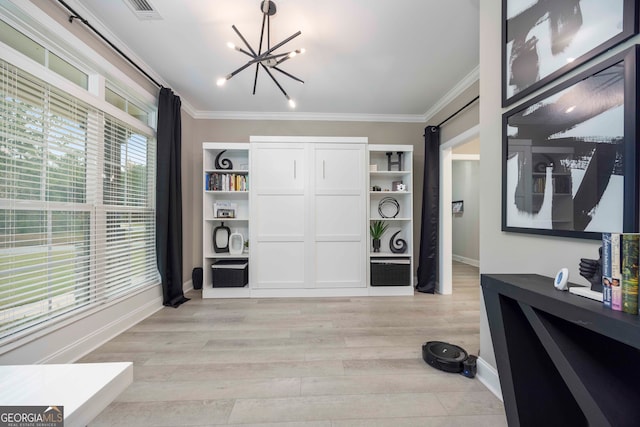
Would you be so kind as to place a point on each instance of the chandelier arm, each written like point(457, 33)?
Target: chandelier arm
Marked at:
point(244, 40)
point(239, 49)
point(288, 74)
point(283, 42)
point(264, 18)
point(240, 69)
point(275, 81)
point(255, 79)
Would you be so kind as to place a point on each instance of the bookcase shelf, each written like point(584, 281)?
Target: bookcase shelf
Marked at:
point(238, 154)
point(402, 224)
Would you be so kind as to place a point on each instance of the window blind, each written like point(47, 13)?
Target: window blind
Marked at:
point(77, 207)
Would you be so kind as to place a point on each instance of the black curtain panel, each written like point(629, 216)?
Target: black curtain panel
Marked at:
point(429, 248)
point(169, 198)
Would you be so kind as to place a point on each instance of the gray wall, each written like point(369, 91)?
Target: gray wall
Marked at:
point(502, 252)
point(197, 131)
point(466, 226)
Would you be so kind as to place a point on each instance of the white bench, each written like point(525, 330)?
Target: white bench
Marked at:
point(83, 389)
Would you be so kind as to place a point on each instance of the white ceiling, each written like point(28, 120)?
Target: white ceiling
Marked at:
point(363, 57)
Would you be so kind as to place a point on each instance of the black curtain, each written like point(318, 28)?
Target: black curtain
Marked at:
point(169, 198)
point(429, 248)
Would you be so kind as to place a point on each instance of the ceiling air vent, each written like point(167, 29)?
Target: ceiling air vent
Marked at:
point(143, 9)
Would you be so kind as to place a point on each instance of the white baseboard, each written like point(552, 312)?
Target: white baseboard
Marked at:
point(465, 260)
point(125, 320)
point(187, 286)
point(488, 376)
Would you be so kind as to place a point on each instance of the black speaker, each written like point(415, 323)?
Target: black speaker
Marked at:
point(196, 278)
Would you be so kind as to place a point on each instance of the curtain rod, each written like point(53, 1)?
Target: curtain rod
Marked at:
point(459, 111)
point(74, 15)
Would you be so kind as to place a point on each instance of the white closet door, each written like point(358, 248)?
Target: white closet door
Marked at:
point(339, 216)
point(339, 168)
point(278, 209)
point(278, 168)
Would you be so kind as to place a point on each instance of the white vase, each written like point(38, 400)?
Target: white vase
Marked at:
point(236, 243)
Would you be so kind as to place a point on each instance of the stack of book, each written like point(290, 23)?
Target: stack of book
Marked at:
point(620, 254)
point(225, 182)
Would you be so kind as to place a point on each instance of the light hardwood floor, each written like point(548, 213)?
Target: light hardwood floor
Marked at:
point(331, 362)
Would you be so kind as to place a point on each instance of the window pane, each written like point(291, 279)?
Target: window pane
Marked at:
point(68, 71)
point(77, 221)
point(127, 175)
point(138, 113)
point(44, 266)
point(115, 99)
point(21, 43)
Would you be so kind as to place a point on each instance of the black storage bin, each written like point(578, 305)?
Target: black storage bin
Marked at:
point(390, 272)
point(232, 273)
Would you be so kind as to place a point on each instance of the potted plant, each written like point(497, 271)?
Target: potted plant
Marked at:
point(377, 229)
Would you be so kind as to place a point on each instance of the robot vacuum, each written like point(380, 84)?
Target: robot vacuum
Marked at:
point(444, 356)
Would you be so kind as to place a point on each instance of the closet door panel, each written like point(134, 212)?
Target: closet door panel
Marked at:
point(280, 216)
point(338, 217)
point(280, 265)
point(279, 169)
point(339, 265)
point(338, 168)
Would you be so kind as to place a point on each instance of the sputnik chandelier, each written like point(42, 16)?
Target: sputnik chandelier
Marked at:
point(267, 60)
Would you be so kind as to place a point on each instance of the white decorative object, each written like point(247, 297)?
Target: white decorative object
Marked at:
point(236, 243)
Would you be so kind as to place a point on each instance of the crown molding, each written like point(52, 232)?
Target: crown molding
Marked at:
point(450, 96)
point(336, 117)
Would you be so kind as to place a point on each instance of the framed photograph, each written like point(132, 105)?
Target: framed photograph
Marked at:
point(569, 155)
point(543, 40)
point(457, 206)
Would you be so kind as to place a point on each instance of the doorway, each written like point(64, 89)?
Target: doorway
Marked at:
point(445, 279)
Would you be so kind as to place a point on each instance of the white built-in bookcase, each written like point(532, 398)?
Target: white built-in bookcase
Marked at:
point(306, 214)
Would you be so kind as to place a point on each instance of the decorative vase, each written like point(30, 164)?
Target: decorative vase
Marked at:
point(376, 245)
point(221, 238)
point(236, 243)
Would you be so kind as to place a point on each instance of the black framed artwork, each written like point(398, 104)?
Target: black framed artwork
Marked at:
point(543, 40)
point(569, 158)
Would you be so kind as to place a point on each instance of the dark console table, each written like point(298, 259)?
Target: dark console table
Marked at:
point(563, 360)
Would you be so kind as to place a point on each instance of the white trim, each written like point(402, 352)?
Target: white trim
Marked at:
point(63, 39)
point(187, 286)
point(94, 339)
point(450, 96)
point(109, 35)
point(474, 157)
point(445, 285)
point(310, 139)
point(39, 71)
point(337, 117)
point(466, 136)
point(445, 279)
point(465, 260)
point(488, 376)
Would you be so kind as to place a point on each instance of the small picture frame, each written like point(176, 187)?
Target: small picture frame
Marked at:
point(397, 186)
point(457, 207)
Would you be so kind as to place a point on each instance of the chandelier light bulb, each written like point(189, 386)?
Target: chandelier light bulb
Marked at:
point(293, 54)
point(292, 103)
point(303, 50)
point(231, 45)
point(221, 81)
